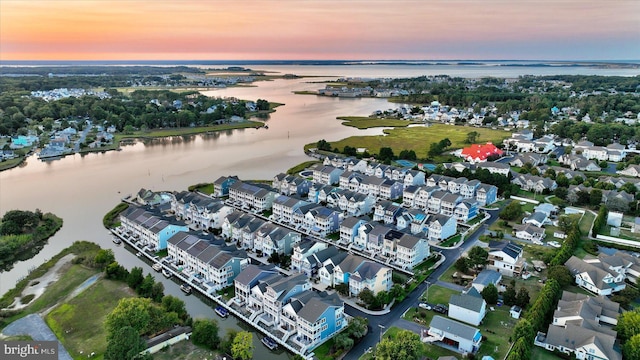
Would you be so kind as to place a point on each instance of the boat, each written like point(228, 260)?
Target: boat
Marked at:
point(166, 273)
point(186, 288)
point(157, 267)
point(116, 240)
point(270, 343)
point(220, 310)
point(138, 254)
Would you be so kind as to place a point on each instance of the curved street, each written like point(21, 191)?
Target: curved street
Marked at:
point(393, 318)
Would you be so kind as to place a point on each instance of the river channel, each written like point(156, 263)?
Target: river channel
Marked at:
point(81, 189)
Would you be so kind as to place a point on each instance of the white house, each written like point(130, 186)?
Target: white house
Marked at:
point(466, 338)
point(467, 308)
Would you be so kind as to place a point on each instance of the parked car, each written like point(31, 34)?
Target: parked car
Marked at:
point(424, 306)
point(440, 309)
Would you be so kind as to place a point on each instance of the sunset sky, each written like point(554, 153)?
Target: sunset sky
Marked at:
point(308, 29)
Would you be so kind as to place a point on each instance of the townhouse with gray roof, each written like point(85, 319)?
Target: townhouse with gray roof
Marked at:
point(467, 308)
point(582, 326)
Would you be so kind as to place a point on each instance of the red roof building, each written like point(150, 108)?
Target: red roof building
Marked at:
point(478, 153)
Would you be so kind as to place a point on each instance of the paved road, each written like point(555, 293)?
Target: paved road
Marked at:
point(34, 326)
point(381, 323)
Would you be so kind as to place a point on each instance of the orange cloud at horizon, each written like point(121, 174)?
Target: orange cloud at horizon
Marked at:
point(356, 29)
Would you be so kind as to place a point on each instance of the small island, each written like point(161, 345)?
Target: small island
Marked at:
point(23, 234)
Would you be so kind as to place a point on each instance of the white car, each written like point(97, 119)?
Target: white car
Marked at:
point(554, 244)
point(424, 306)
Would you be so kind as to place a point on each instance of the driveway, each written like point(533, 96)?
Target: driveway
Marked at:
point(34, 326)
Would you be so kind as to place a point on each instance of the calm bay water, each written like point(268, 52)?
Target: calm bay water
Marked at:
point(81, 189)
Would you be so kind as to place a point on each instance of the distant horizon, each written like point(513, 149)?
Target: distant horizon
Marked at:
point(324, 61)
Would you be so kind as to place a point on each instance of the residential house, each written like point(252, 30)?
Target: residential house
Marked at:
point(486, 194)
point(529, 232)
point(442, 227)
point(596, 277)
point(349, 229)
point(201, 211)
point(387, 212)
point(283, 208)
point(390, 189)
point(495, 167)
point(538, 219)
point(582, 326)
point(448, 203)
point(486, 277)
point(370, 275)
point(327, 175)
point(631, 170)
point(319, 319)
point(506, 257)
point(409, 196)
point(248, 278)
point(468, 188)
point(465, 211)
point(148, 229)
point(271, 238)
point(290, 185)
point(301, 251)
point(410, 250)
point(251, 197)
point(467, 308)
point(464, 338)
point(222, 184)
point(414, 177)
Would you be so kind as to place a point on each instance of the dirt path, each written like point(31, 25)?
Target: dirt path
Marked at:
point(37, 286)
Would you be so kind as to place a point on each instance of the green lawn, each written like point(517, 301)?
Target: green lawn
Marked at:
point(418, 138)
point(363, 122)
point(298, 168)
point(538, 353)
point(79, 323)
point(437, 294)
point(501, 324)
point(205, 188)
point(451, 241)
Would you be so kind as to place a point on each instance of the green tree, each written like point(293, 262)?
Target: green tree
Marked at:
point(462, 264)
point(146, 286)
point(173, 304)
point(227, 342)
point(561, 274)
point(631, 348)
point(523, 298)
point(406, 346)
point(511, 211)
point(125, 343)
point(509, 295)
point(478, 256)
point(343, 342)
point(595, 197)
point(133, 312)
point(490, 294)
point(628, 324)
point(472, 137)
point(135, 278)
point(357, 327)
point(104, 257)
point(157, 292)
point(367, 297)
point(242, 347)
point(205, 333)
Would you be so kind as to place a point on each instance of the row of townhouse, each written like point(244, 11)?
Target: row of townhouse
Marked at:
point(291, 185)
point(222, 185)
point(469, 189)
point(583, 326)
point(335, 267)
point(212, 262)
point(259, 235)
point(306, 216)
point(608, 196)
point(289, 305)
point(251, 196)
point(579, 162)
point(401, 174)
point(371, 185)
point(605, 274)
point(148, 229)
point(613, 152)
point(537, 184)
point(525, 143)
point(200, 210)
point(400, 247)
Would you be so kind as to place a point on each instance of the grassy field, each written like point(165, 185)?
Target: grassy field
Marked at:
point(417, 138)
point(364, 122)
point(203, 188)
point(79, 323)
point(438, 294)
point(298, 168)
point(184, 350)
point(538, 353)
